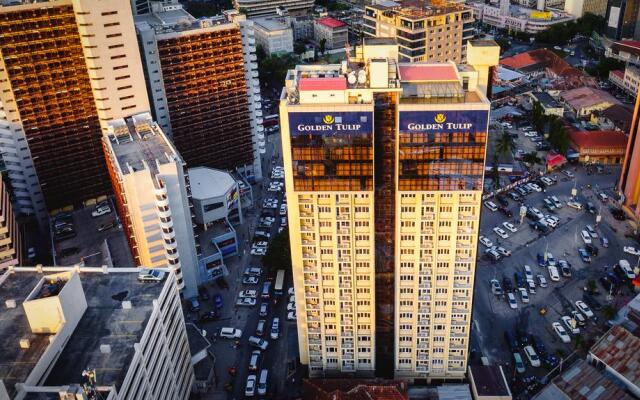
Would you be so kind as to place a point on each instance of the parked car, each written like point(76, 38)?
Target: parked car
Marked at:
point(574, 204)
point(631, 250)
point(542, 281)
point(565, 268)
point(500, 232)
point(570, 324)
point(510, 227)
point(230, 333)
point(258, 342)
point(524, 296)
point(586, 238)
point(591, 249)
point(251, 293)
point(533, 358)
point(495, 287)
point(264, 309)
point(584, 255)
point(511, 299)
point(584, 309)
point(553, 273)
point(246, 302)
point(253, 360)
point(517, 359)
point(579, 318)
point(250, 388)
point(101, 210)
point(275, 328)
point(485, 241)
point(561, 332)
point(592, 232)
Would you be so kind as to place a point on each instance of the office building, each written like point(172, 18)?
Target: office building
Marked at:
point(519, 18)
point(333, 31)
point(262, 8)
point(578, 8)
point(302, 28)
point(428, 33)
point(383, 269)
point(11, 245)
point(67, 69)
point(629, 182)
point(65, 327)
point(274, 34)
point(153, 198)
point(203, 83)
point(623, 20)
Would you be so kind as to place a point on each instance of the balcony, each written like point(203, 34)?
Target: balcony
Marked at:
point(306, 228)
point(164, 214)
point(308, 256)
point(462, 285)
point(312, 295)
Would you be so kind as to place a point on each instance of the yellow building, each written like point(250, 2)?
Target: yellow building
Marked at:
point(429, 33)
point(384, 167)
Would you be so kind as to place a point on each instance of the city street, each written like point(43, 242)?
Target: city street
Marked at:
point(492, 316)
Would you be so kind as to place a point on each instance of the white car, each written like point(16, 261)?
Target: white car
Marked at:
point(547, 181)
point(511, 298)
point(542, 281)
point(531, 134)
point(258, 342)
point(510, 227)
point(258, 251)
point(150, 275)
point(528, 274)
point(291, 316)
point(583, 308)
point(500, 232)
point(524, 296)
point(553, 273)
point(253, 361)
point(631, 250)
point(502, 250)
point(557, 326)
point(250, 389)
point(251, 293)
point(533, 358)
point(291, 291)
point(103, 210)
point(485, 241)
point(551, 222)
point(535, 187)
point(592, 232)
point(574, 204)
point(626, 269)
point(230, 333)
point(250, 280)
point(586, 238)
point(246, 302)
point(556, 202)
point(291, 306)
point(571, 324)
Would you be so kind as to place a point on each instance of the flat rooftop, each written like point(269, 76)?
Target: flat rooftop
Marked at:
point(271, 23)
point(176, 20)
point(141, 146)
point(209, 182)
point(418, 9)
point(489, 380)
point(104, 322)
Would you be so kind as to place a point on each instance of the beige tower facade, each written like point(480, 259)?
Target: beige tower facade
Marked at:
point(384, 164)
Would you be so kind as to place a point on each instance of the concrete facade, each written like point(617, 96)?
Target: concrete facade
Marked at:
point(274, 34)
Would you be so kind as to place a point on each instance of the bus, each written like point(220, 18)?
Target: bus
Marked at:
point(277, 290)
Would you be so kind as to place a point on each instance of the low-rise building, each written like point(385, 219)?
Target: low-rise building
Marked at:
point(302, 28)
point(604, 147)
point(625, 51)
point(628, 79)
point(518, 18)
point(217, 208)
point(617, 117)
point(617, 353)
point(274, 34)
point(152, 198)
point(585, 100)
point(354, 389)
point(333, 31)
point(101, 328)
point(582, 381)
point(262, 8)
point(550, 106)
point(488, 383)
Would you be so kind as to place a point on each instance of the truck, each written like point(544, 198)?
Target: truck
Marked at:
point(277, 290)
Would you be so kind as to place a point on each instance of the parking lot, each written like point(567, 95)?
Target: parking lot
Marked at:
point(547, 305)
point(81, 237)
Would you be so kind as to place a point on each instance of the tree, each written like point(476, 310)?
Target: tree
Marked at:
point(273, 69)
point(558, 136)
point(531, 158)
point(495, 173)
point(323, 43)
point(279, 253)
point(504, 144)
point(604, 66)
point(260, 53)
point(299, 47)
point(609, 312)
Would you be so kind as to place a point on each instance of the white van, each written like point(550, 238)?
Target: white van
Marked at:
point(262, 382)
point(603, 197)
point(491, 205)
point(230, 333)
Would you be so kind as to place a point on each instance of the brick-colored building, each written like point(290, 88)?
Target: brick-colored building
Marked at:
point(604, 147)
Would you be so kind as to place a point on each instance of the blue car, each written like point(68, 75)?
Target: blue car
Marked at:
point(218, 301)
point(541, 261)
point(584, 255)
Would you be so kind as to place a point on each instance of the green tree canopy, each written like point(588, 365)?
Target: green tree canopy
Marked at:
point(279, 253)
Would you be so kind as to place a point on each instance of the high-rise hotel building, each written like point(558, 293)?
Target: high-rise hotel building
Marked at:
point(384, 167)
point(629, 182)
point(67, 68)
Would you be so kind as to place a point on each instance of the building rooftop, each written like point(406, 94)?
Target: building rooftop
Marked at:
point(592, 139)
point(208, 182)
point(418, 9)
point(428, 72)
point(546, 100)
point(271, 24)
point(618, 73)
point(489, 380)
point(629, 46)
point(104, 322)
point(519, 61)
point(618, 348)
point(138, 143)
point(585, 96)
point(581, 381)
point(330, 22)
point(334, 83)
point(174, 18)
point(354, 389)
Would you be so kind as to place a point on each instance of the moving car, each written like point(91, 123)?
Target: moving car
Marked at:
point(258, 342)
point(574, 204)
point(495, 287)
point(561, 332)
point(584, 309)
point(604, 241)
point(275, 328)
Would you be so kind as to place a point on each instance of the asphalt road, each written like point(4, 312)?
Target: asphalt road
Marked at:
point(492, 316)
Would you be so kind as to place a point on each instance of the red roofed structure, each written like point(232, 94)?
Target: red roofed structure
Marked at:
point(354, 389)
point(519, 61)
point(617, 351)
point(555, 161)
point(427, 72)
point(605, 147)
point(322, 84)
point(330, 22)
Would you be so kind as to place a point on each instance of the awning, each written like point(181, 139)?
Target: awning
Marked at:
point(555, 160)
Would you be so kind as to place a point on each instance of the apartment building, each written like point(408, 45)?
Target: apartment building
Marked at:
point(428, 33)
point(101, 327)
point(333, 31)
point(203, 82)
point(11, 245)
point(262, 8)
point(274, 34)
point(67, 69)
point(152, 196)
point(384, 163)
point(629, 182)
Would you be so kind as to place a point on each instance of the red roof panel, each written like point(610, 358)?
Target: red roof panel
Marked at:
point(592, 139)
point(428, 72)
point(322, 84)
point(331, 22)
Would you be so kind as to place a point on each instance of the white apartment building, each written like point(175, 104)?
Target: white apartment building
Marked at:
point(61, 322)
point(261, 8)
point(519, 18)
point(153, 198)
point(274, 34)
point(384, 270)
point(163, 34)
point(60, 99)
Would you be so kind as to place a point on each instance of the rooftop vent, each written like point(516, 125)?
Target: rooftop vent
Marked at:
point(105, 349)
point(25, 343)
point(126, 305)
point(11, 303)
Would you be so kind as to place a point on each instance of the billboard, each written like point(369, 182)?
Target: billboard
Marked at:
point(443, 121)
point(330, 123)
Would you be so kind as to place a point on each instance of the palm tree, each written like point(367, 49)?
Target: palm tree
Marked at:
point(504, 144)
